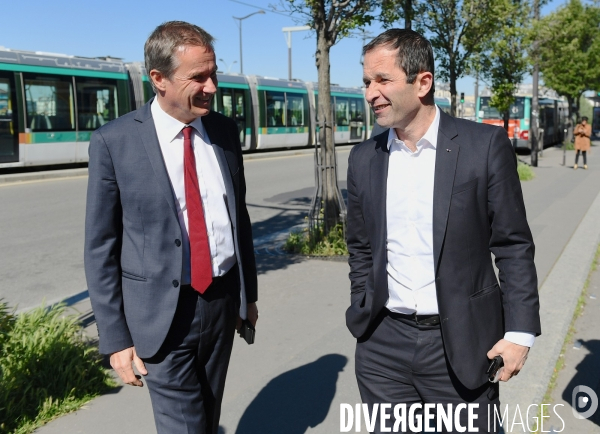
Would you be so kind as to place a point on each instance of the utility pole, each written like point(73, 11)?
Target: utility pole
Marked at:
point(288, 39)
point(240, 27)
point(535, 109)
point(476, 97)
point(364, 36)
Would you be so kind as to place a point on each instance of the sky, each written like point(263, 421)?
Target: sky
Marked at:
point(119, 28)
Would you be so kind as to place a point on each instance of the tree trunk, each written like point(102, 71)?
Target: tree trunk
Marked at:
point(452, 89)
point(408, 12)
point(570, 125)
point(506, 117)
point(326, 137)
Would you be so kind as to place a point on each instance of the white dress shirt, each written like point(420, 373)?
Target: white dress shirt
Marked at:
point(409, 213)
point(212, 189)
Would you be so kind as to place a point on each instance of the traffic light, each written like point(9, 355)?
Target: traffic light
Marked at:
point(462, 97)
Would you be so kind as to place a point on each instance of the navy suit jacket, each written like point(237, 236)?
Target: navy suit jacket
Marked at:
point(477, 208)
point(133, 253)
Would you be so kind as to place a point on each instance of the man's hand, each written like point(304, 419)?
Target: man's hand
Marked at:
point(514, 356)
point(121, 363)
point(251, 314)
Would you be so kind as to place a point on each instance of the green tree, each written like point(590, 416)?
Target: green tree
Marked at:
point(457, 30)
point(503, 61)
point(569, 51)
point(331, 21)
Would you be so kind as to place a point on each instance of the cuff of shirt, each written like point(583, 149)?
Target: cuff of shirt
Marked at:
point(521, 338)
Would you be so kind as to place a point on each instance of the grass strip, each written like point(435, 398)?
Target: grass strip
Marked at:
point(47, 368)
point(525, 172)
point(560, 363)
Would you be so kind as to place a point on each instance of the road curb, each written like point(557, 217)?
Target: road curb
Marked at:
point(558, 299)
point(14, 178)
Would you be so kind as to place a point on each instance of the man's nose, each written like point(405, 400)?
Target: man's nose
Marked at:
point(210, 86)
point(371, 93)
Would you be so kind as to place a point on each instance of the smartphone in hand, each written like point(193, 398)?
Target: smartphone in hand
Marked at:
point(493, 371)
point(247, 331)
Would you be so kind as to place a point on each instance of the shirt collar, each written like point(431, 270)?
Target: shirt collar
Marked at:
point(430, 136)
point(171, 127)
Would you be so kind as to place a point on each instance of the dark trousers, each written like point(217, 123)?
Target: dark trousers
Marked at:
point(400, 362)
point(584, 156)
point(186, 377)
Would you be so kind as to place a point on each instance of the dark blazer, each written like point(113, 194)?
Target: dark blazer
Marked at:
point(133, 253)
point(477, 208)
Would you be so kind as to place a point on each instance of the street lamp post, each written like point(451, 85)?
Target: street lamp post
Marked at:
point(288, 39)
point(240, 26)
point(228, 66)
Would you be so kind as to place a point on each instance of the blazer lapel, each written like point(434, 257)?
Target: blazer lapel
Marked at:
point(378, 179)
point(147, 132)
point(445, 169)
point(378, 171)
point(227, 163)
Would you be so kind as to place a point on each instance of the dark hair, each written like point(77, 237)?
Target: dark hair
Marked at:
point(415, 54)
point(584, 118)
point(160, 48)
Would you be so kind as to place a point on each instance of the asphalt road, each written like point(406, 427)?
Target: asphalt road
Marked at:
point(42, 223)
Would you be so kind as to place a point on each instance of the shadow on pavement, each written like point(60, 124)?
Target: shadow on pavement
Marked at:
point(284, 220)
point(588, 375)
point(295, 400)
point(266, 263)
point(290, 215)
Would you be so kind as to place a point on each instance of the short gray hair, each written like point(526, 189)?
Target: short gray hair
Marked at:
point(160, 48)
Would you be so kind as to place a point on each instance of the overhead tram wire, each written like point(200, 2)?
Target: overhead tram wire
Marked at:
point(258, 7)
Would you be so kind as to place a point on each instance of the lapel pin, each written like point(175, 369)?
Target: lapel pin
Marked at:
point(447, 150)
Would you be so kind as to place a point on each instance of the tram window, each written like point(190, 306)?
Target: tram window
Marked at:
point(97, 102)
point(275, 108)
point(295, 110)
point(341, 112)
point(356, 110)
point(148, 91)
point(516, 111)
point(239, 105)
point(227, 103)
point(49, 104)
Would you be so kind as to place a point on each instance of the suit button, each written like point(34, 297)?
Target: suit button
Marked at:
point(177, 243)
point(175, 283)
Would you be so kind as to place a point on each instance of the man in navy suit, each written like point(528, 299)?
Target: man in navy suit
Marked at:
point(428, 200)
point(169, 257)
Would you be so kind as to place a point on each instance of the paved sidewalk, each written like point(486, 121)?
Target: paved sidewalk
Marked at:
point(301, 368)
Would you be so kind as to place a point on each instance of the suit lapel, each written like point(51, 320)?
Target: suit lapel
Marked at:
point(445, 169)
point(378, 172)
point(227, 162)
point(147, 132)
point(378, 179)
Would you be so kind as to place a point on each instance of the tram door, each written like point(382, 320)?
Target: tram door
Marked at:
point(234, 106)
point(9, 133)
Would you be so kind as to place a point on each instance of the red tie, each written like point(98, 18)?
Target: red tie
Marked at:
point(199, 250)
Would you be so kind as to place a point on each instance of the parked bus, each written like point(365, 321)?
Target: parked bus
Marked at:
point(552, 119)
point(596, 121)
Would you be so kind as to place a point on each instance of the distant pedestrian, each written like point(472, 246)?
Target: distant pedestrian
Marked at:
point(583, 132)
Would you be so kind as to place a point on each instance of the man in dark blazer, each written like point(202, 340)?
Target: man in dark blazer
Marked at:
point(428, 200)
point(169, 257)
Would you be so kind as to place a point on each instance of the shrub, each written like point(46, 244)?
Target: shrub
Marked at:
point(47, 368)
point(526, 173)
point(319, 244)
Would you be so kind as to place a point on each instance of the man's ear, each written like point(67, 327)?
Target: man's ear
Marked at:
point(425, 82)
point(158, 79)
